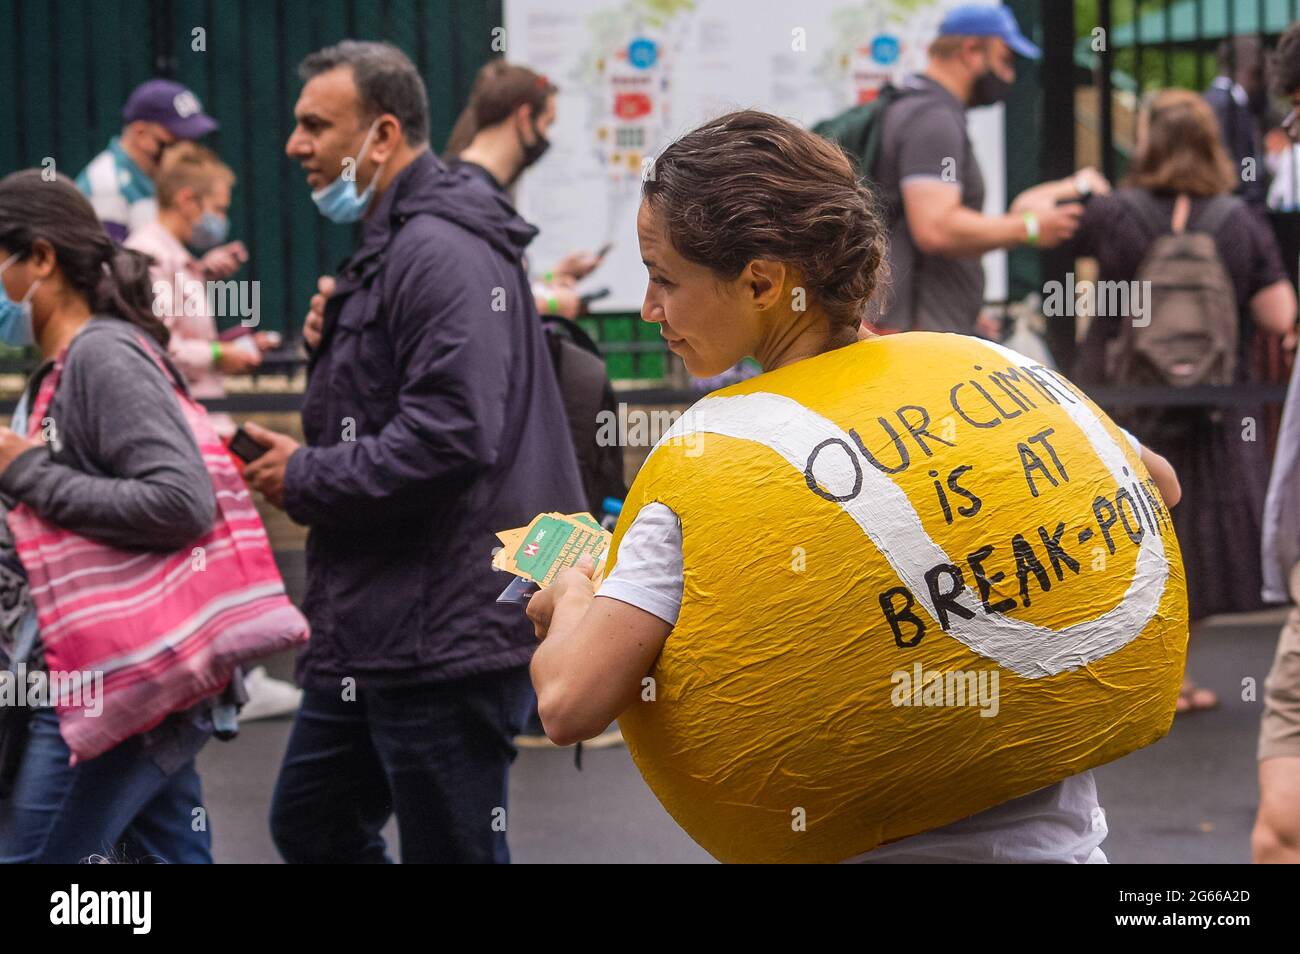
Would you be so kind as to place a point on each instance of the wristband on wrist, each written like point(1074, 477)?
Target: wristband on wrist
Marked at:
point(552, 305)
point(216, 351)
point(548, 277)
point(1031, 228)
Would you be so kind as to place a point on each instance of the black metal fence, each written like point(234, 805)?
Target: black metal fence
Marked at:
point(65, 112)
point(1119, 51)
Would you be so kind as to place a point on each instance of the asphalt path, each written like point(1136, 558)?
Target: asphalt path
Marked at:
point(1190, 798)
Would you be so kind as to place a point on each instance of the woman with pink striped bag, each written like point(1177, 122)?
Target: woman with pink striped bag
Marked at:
point(135, 576)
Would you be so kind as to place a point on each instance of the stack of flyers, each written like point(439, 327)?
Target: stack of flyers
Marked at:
point(539, 551)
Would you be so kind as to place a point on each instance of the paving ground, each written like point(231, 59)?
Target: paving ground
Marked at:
point(1190, 798)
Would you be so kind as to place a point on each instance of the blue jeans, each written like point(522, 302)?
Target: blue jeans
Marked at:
point(436, 754)
point(121, 805)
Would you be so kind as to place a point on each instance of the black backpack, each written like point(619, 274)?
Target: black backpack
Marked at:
point(586, 391)
point(859, 131)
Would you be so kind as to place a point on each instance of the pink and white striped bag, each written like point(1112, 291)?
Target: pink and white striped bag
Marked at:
point(165, 629)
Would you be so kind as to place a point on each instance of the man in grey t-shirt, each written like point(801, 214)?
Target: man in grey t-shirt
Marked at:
point(931, 185)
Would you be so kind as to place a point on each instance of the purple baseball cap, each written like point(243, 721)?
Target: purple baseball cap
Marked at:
point(172, 106)
point(981, 19)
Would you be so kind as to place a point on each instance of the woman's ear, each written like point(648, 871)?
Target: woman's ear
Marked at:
point(765, 281)
point(42, 260)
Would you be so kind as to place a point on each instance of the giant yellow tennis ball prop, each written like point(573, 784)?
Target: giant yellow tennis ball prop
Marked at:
point(923, 576)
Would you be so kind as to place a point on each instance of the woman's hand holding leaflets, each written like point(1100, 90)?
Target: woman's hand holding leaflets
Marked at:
point(571, 593)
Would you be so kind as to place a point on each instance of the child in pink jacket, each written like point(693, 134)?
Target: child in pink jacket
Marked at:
point(193, 199)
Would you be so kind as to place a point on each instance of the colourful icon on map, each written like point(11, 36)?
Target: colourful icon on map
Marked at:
point(642, 53)
point(884, 49)
point(631, 105)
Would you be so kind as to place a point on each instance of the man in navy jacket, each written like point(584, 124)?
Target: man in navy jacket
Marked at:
point(1239, 96)
point(433, 420)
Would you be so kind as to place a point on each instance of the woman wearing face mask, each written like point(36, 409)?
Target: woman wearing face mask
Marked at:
point(193, 207)
point(501, 132)
point(124, 469)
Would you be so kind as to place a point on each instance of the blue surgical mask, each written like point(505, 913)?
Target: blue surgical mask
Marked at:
point(339, 201)
point(16, 316)
point(209, 231)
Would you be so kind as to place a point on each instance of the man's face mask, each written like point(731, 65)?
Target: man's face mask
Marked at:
point(339, 201)
point(989, 87)
point(160, 147)
point(534, 150)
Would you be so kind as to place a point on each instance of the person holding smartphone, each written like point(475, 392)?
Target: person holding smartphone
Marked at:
point(501, 133)
point(432, 420)
point(194, 188)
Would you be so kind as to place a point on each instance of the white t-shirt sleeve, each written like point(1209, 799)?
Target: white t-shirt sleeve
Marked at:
point(1137, 444)
point(648, 574)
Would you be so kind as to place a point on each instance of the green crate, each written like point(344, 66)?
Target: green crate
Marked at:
point(627, 328)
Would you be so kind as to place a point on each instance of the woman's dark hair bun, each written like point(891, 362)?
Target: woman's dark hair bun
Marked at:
point(750, 185)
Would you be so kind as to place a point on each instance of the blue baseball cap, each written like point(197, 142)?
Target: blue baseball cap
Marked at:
point(982, 19)
point(172, 106)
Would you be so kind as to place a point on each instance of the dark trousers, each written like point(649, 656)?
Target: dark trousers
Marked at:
point(437, 755)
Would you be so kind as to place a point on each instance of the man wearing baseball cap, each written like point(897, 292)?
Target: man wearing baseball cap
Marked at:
point(931, 184)
point(119, 181)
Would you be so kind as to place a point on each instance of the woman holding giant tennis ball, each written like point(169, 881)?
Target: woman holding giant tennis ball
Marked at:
point(889, 600)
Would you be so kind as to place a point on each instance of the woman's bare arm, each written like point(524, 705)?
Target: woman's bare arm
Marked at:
point(595, 652)
point(1163, 473)
point(1273, 308)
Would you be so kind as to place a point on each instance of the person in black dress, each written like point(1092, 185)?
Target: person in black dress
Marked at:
point(1219, 457)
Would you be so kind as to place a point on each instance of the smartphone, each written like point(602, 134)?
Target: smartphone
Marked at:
point(518, 591)
point(245, 448)
point(594, 295)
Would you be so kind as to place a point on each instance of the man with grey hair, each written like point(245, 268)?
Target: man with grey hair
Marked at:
point(433, 420)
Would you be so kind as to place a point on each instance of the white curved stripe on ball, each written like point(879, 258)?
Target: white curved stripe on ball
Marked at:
point(887, 517)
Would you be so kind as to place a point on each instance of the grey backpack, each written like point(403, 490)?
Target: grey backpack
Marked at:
point(1188, 333)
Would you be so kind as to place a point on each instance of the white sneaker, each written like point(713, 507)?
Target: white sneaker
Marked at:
point(267, 697)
